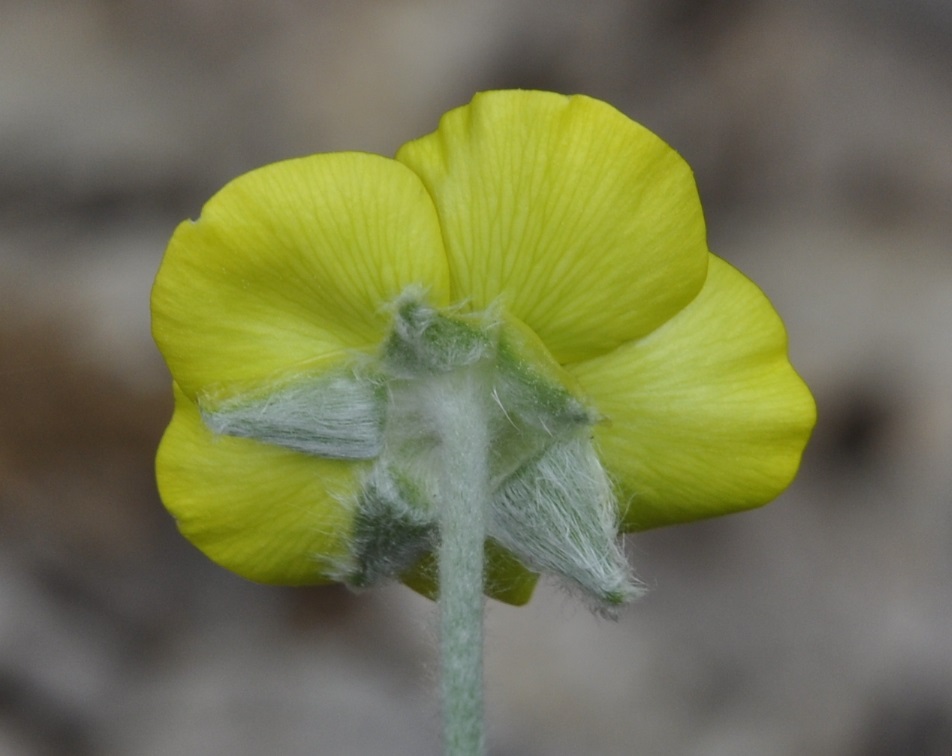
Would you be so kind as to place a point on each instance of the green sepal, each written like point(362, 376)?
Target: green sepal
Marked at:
point(391, 531)
point(424, 340)
point(535, 397)
point(335, 415)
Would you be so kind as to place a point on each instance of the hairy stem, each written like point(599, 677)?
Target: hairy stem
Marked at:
point(460, 416)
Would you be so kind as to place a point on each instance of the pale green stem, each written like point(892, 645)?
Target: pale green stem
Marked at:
point(459, 412)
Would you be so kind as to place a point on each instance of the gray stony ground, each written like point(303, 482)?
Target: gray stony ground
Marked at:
point(821, 134)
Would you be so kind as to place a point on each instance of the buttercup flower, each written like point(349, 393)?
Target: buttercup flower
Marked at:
point(546, 250)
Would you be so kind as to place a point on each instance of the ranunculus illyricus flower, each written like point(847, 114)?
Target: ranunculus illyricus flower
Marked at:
point(546, 244)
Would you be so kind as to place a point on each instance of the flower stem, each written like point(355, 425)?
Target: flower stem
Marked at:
point(459, 412)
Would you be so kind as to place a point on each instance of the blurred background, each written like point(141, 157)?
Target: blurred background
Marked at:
point(821, 136)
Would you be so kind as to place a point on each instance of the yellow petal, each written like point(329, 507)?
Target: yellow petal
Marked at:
point(507, 580)
point(266, 513)
point(289, 265)
point(705, 416)
point(585, 224)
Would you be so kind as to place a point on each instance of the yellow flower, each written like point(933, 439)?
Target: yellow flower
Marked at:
point(549, 237)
